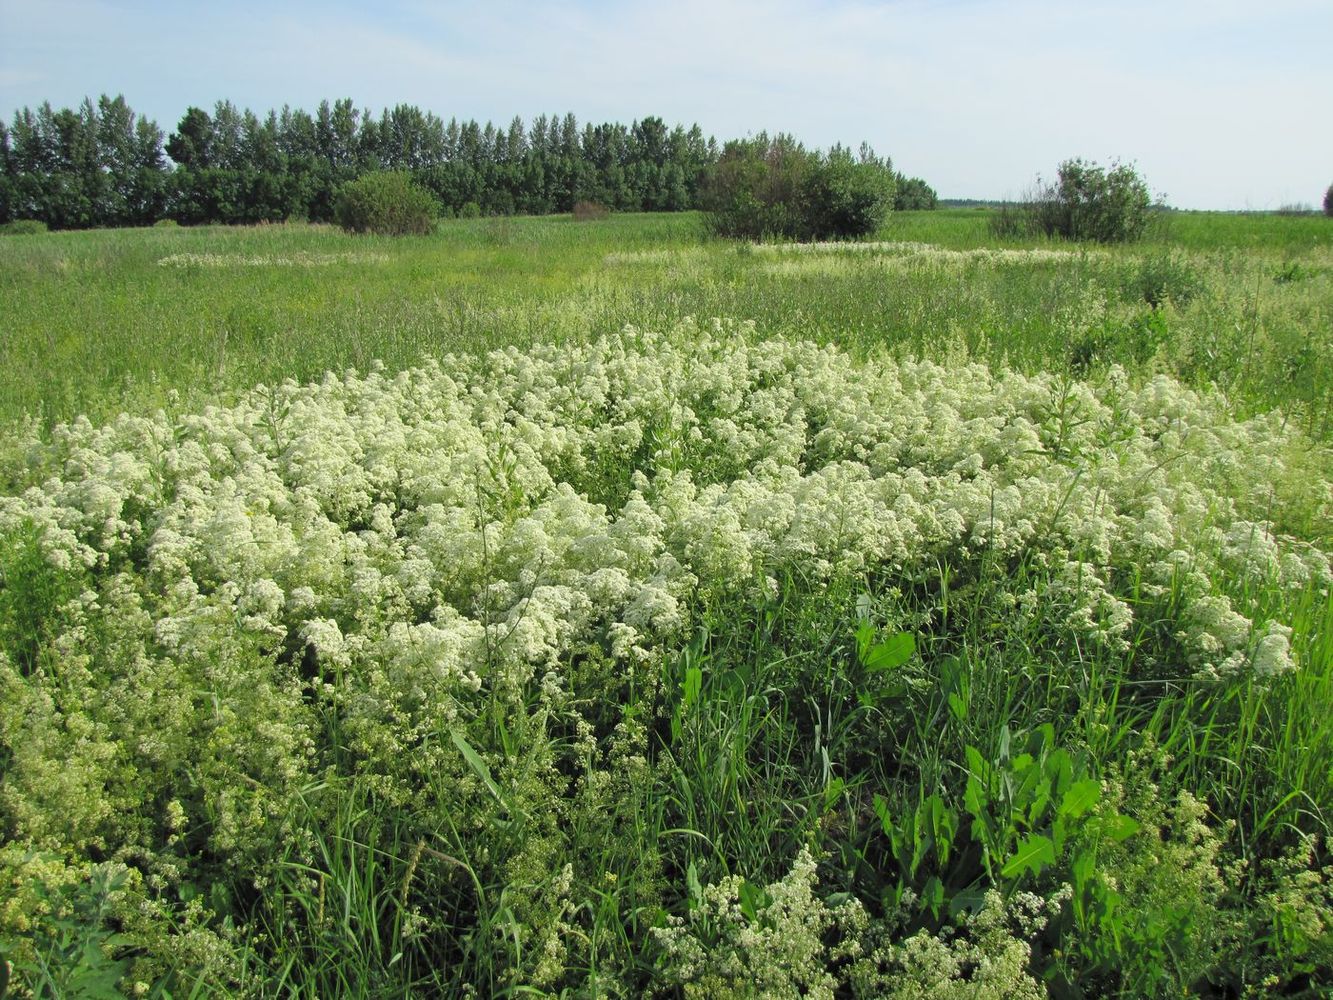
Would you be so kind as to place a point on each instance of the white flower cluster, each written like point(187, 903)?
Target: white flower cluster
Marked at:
point(789, 943)
point(776, 952)
point(924, 251)
point(468, 523)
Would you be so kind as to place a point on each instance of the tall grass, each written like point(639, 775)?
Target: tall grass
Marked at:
point(98, 325)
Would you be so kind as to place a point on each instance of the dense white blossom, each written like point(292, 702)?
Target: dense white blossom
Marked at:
point(471, 521)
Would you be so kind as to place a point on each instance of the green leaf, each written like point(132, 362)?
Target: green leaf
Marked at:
point(694, 682)
point(476, 763)
point(832, 792)
point(1033, 854)
point(967, 901)
point(922, 839)
point(1082, 868)
point(957, 706)
point(943, 826)
point(881, 806)
point(932, 894)
point(1118, 828)
point(1080, 798)
point(1061, 769)
point(890, 654)
point(750, 899)
point(865, 638)
point(692, 883)
point(976, 764)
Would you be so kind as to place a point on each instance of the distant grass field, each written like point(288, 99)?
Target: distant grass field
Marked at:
point(104, 321)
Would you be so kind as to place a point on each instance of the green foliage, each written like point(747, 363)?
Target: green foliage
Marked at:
point(70, 952)
point(385, 203)
point(769, 189)
point(1162, 276)
point(33, 593)
point(589, 211)
point(1086, 202)
point(23, 227)
point(913, 195)
point(1328, 201)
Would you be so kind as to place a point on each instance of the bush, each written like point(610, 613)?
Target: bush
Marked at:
point(166, 224)
point(1162, 277)
point(914, 195)
point(1087, 202)
point(589, 211)
point(386, 203)
point(23, 227)
point(764, 189)
point(1328, 201)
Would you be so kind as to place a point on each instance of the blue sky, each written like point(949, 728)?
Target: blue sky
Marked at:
point(1220, 104)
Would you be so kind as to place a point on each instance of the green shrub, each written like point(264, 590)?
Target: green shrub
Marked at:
point(765, 188)
point(1162, 276)
point(1086, 202)
point(23, 227)
point(470, 210)
point(590, 211)
point(386, 203)
point(914, 195)
point(166, 224)
point(846, 196)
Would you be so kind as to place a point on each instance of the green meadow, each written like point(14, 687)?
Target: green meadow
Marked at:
point(104, 321)
point(595, 609)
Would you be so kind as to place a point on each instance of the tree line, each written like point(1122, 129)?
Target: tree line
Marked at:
point(101, 164)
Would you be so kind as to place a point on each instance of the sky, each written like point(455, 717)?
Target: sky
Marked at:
point(1220, 104)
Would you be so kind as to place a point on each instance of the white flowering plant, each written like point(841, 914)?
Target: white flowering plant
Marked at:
point(428, 634)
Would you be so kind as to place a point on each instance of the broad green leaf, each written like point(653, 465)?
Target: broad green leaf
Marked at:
point(694, 680)
point(476, 763)
point(1033, 854)
point(865, 638)
point(881, 806)
point(832, 792)
point(976, 764)
point(1080, 798)
point(957, 706)
point(1082, 869)
point(1060, 769)
point(1041, 798)
point(932, 894)
point(967, 901)
point(1118, 828)
point(890, 654)
point(975, 798)
point(943, 826)
point(750, 900)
